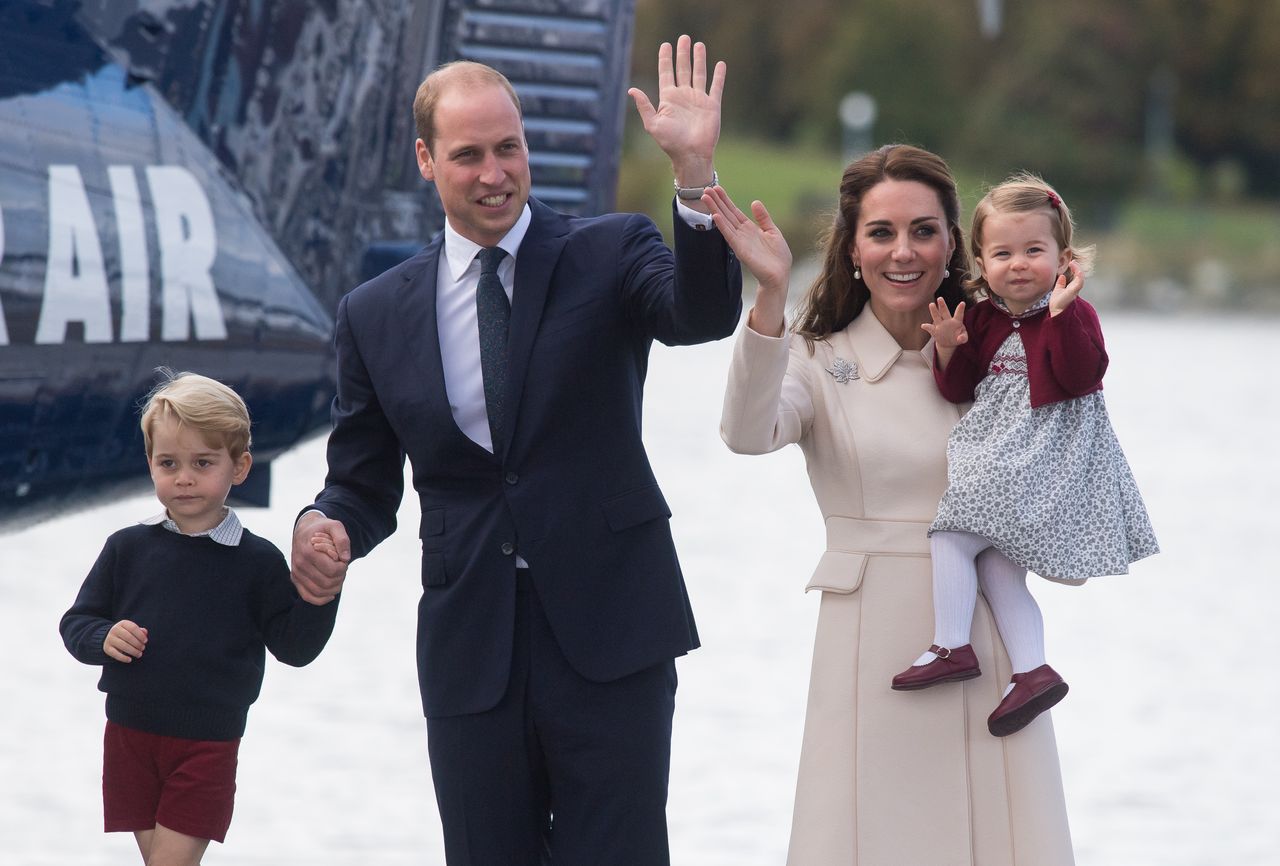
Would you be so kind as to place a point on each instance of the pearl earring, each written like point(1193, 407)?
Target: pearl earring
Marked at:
point(946, 272)
point(857, 272)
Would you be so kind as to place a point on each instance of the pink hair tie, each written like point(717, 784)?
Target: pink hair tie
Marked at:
point(1054, 200)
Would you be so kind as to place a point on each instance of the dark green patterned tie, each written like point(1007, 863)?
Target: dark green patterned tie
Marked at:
point(493, 311)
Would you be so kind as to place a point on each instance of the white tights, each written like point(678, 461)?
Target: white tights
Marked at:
point(965, 561)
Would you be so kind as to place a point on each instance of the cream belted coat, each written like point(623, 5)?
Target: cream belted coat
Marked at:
point(889, 778)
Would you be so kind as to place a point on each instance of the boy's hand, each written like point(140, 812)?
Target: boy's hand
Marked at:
point(324, 543)
point(125, 642)
point(317, 572)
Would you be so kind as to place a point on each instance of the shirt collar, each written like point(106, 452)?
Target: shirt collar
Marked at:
point(999, 304)
point(228, 532)
point(460, 252)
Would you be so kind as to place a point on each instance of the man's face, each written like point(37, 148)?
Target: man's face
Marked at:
point(479, 162)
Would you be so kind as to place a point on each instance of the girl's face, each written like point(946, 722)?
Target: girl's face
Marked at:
point(902, 245)
point(1020, 258)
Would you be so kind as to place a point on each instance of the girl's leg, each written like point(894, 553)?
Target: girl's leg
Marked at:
point(1035, 686)
point(1017, 616)
point(171, 848)
point(955, 592)
point(955, 587)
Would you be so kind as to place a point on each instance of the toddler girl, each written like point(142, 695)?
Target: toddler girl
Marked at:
point(1036, 480)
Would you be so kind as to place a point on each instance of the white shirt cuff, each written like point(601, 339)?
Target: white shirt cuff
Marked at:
point(694, 219)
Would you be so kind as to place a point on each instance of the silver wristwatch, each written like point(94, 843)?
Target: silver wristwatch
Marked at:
point(695, 192)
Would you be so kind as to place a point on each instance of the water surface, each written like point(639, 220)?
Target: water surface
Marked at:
point(1167, 739)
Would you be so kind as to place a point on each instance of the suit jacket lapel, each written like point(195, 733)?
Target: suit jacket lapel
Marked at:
point(420, 334)
point(535, 261)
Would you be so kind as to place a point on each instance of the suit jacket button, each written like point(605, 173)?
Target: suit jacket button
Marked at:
point(512, 478)
point(508, 548)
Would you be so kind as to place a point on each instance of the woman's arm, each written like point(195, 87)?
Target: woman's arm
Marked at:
point(766, 403)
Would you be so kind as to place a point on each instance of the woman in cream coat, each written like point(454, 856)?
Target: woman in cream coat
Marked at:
point(886, 778)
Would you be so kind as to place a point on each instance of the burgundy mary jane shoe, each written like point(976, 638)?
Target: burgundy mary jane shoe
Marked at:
point(951, 665)
point(1033, 692)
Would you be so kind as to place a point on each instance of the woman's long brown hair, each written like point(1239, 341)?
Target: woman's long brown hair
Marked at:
point(836, 298)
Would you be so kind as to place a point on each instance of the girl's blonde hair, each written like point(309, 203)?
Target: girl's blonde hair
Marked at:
point(203, 404)
point(1022, 193)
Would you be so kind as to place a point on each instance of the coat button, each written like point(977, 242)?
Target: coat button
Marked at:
point(508, 548)
point(512, 478)
point(1017, 324)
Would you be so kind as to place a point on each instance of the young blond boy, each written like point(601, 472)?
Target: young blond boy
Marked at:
point(177, 610)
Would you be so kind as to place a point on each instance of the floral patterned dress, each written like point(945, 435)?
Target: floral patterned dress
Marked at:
point(1049, 487)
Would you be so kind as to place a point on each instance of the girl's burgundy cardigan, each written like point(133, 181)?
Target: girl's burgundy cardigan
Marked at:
point(1065, 354)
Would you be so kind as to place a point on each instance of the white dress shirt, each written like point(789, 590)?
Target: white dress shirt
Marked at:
point(456, 281)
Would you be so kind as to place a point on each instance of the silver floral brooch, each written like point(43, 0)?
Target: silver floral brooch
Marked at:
point(844, 371)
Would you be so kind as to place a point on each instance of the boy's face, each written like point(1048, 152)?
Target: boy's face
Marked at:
point(192, 477)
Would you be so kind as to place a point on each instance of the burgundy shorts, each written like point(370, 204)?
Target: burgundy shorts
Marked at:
point(187, 785)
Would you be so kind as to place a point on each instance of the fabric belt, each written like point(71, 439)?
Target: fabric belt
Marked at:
point(859, 535)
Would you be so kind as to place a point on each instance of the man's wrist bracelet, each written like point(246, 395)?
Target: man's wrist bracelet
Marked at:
point(694, 192)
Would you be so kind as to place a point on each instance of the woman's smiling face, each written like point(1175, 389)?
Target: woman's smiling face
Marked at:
point(902, 244)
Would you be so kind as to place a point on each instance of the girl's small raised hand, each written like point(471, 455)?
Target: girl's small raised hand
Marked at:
point(947, 329)
point(1065, 292)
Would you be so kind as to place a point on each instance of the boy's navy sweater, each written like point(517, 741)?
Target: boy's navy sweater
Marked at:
point(209, 610)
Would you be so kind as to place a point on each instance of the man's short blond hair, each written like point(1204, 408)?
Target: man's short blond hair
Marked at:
point(202, 404)
point(464, 74)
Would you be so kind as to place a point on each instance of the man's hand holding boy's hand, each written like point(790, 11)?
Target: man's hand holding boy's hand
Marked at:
point(125, 642)
point(321, 551)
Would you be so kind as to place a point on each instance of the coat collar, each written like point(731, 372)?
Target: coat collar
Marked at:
point(874, 348)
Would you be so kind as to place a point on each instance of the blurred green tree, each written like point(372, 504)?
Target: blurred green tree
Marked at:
point(1065, 89)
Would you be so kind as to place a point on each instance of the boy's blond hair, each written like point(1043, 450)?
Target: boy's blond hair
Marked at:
point(203, 404)
point(1022, 193)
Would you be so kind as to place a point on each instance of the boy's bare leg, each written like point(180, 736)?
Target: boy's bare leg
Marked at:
point(171, 848)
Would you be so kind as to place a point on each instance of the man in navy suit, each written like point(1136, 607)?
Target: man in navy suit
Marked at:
point(507, 362)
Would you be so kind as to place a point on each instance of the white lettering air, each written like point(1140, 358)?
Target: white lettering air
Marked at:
point(75, 281)
point(188, 246)
point(135, 271)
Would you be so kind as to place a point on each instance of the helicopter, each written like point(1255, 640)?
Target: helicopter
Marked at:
point(194, 184)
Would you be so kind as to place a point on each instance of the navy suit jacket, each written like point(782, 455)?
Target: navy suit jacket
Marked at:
point(570, 488)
